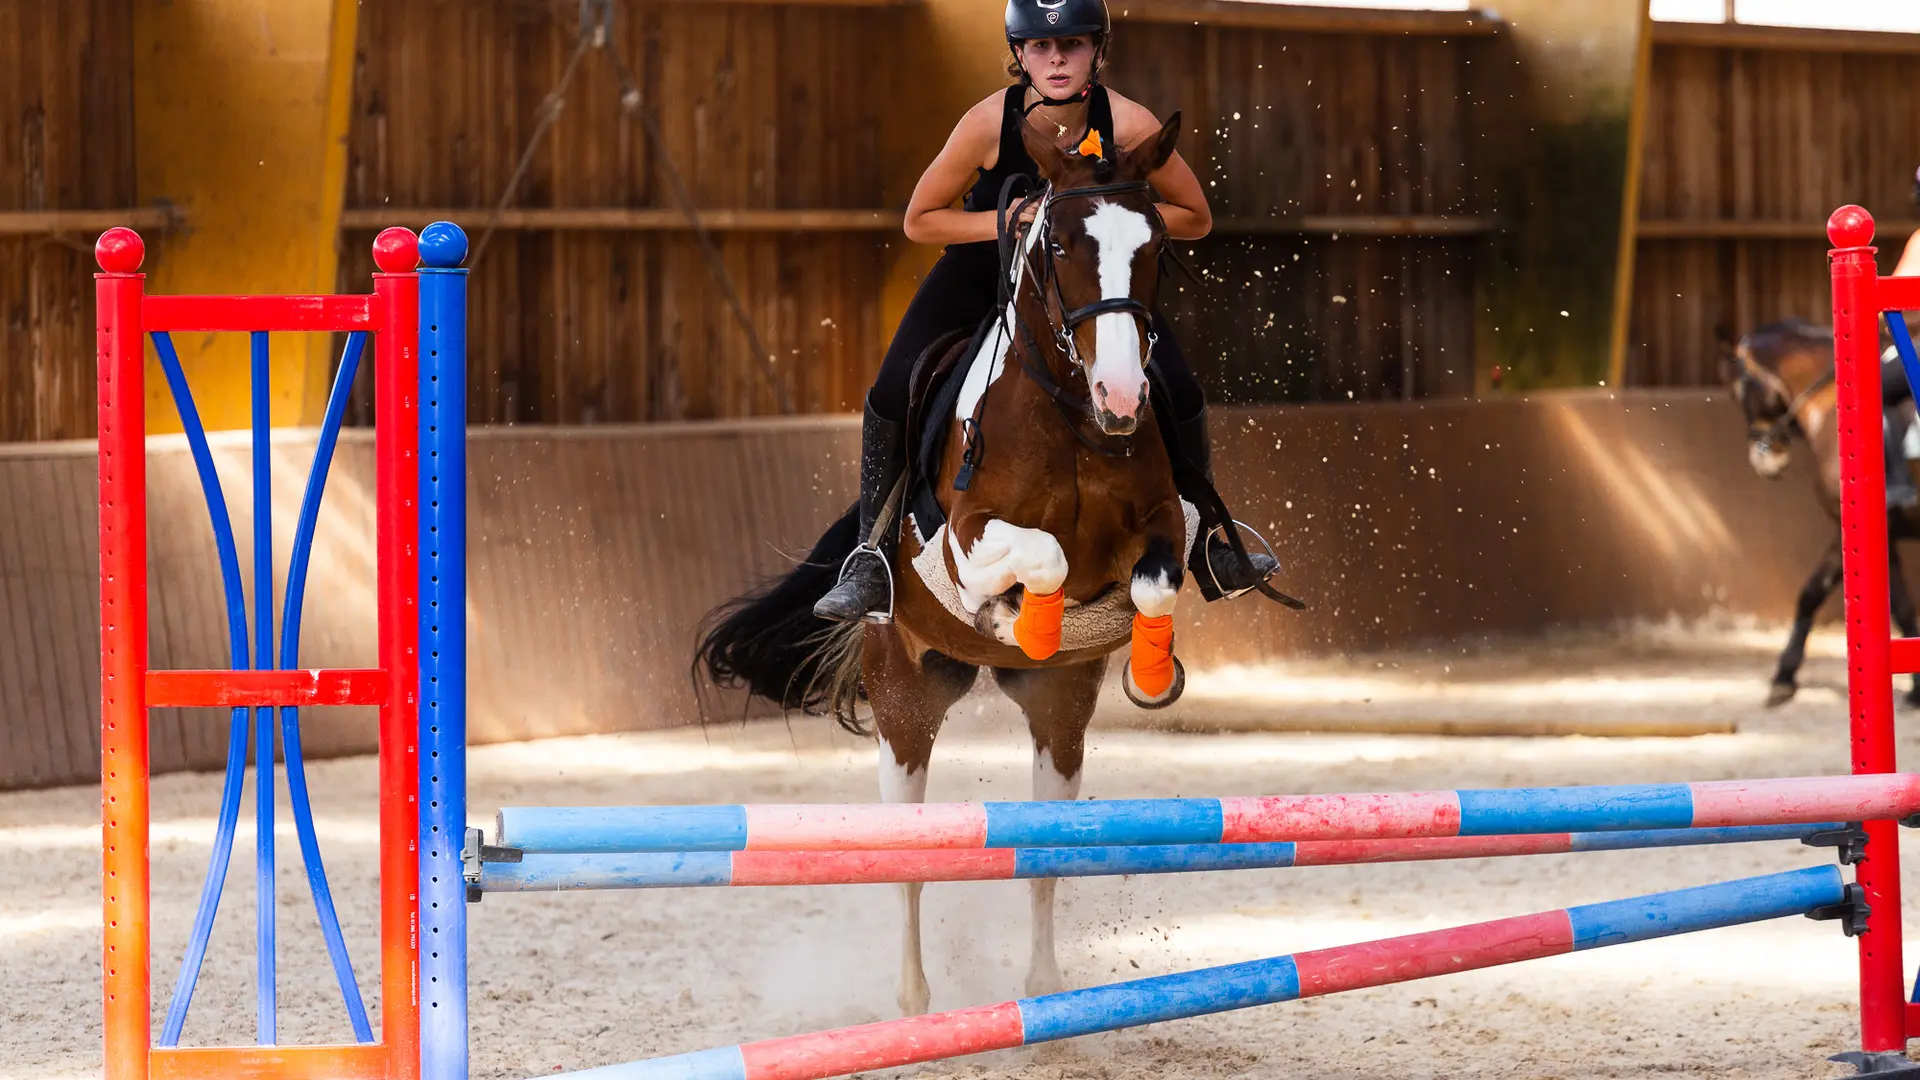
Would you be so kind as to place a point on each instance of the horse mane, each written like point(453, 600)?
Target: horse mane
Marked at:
point(1768, 344)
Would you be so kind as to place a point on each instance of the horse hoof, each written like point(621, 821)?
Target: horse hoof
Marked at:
point(913, 1001)
point(1042, 983)
point(1780, 693)
point(995, 620)
point(1140, 698)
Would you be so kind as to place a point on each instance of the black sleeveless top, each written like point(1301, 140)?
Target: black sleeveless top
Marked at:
point(1014, 160)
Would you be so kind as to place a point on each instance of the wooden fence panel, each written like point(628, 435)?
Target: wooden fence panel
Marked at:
point(66, 143)
point(1747, 150)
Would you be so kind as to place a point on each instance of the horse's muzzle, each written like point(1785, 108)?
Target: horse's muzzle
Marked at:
point(1768, 458)
point(1118, 411)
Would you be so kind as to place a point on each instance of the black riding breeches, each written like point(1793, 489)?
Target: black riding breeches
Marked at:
point(958, 294)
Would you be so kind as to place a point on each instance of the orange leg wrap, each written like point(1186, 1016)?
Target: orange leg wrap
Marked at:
point(1037, 627)
point(1152, 658)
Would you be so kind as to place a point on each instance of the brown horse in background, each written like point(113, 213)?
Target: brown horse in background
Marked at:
point(1781, 376)
point(1057, 493)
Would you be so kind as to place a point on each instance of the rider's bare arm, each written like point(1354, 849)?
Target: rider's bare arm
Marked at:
point(931, 215)
point(1910, 258)
point(1185, 210)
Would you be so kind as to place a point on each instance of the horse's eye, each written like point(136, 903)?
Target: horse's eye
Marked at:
point(1059, 250)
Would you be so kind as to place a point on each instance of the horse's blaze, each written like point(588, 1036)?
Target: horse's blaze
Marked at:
point(1037, 627)
point(1151, 662)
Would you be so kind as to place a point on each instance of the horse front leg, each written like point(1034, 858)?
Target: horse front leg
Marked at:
point(1820, 585)
point(1153, 678)
point(1059, 703)
point(999, 556)
point(910, 699)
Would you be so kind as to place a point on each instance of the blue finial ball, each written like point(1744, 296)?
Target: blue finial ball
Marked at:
point(443, 245)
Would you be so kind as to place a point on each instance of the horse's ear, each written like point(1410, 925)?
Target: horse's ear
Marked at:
point(1728, 349)
point(1053, 162)
point(1147, 158)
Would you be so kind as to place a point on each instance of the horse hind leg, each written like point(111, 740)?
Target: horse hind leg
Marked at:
point(910, 701)
point(1820, 585)
point(1059, 703)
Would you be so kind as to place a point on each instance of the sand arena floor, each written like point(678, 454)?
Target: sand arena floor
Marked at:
point(570, 981)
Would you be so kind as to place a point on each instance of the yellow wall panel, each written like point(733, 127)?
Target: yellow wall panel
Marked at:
point(241, 117)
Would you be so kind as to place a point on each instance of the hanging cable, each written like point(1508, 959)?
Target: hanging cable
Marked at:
point(596, 32)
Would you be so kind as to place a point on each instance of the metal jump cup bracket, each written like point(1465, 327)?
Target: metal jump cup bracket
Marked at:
point(1849, 843)
point(475, 854)
point(1885, 1064)
point(1852, 913)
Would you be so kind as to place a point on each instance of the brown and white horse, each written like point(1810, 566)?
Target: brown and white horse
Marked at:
point(1781, 376)
point(1069, 496)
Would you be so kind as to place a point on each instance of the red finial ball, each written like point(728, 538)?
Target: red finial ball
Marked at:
point(1850, 227)
point(396, 251)
point(119, 251)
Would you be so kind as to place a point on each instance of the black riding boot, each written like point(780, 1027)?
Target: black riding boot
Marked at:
point(1214, 566)
point(866, 585)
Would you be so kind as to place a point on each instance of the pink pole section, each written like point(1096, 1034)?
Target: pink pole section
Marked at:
point(1836, 798)
point(907, 826)
point(1338, 817)
point(887, 1044)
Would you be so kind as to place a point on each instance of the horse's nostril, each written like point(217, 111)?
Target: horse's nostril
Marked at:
point(1099, 391)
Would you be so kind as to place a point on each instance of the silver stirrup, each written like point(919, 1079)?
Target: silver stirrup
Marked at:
point(1220, 530)
point(877, 617)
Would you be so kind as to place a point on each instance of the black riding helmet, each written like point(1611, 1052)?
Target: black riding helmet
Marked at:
point(1030, 20)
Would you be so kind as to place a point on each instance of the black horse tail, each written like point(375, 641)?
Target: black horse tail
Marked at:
point(772, 643)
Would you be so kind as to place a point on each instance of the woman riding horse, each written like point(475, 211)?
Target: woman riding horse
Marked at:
point(1058, 48)
point(1910, 256)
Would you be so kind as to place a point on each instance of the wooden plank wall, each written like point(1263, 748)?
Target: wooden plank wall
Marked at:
point(595, 553)
point(1765, 135)
point(763, 107)
point(66, 143)
point(1288, 124)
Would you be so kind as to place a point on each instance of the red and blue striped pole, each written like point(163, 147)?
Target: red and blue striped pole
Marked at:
point(1239, 986)
point(1244, 820)
point(674, 870)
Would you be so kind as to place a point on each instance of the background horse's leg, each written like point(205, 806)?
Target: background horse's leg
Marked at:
point(1820, 585)
point(910, 701)
point(1059, 703)
point(1903, 615)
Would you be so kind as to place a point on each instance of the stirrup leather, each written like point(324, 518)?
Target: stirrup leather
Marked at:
point(1206, 557)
